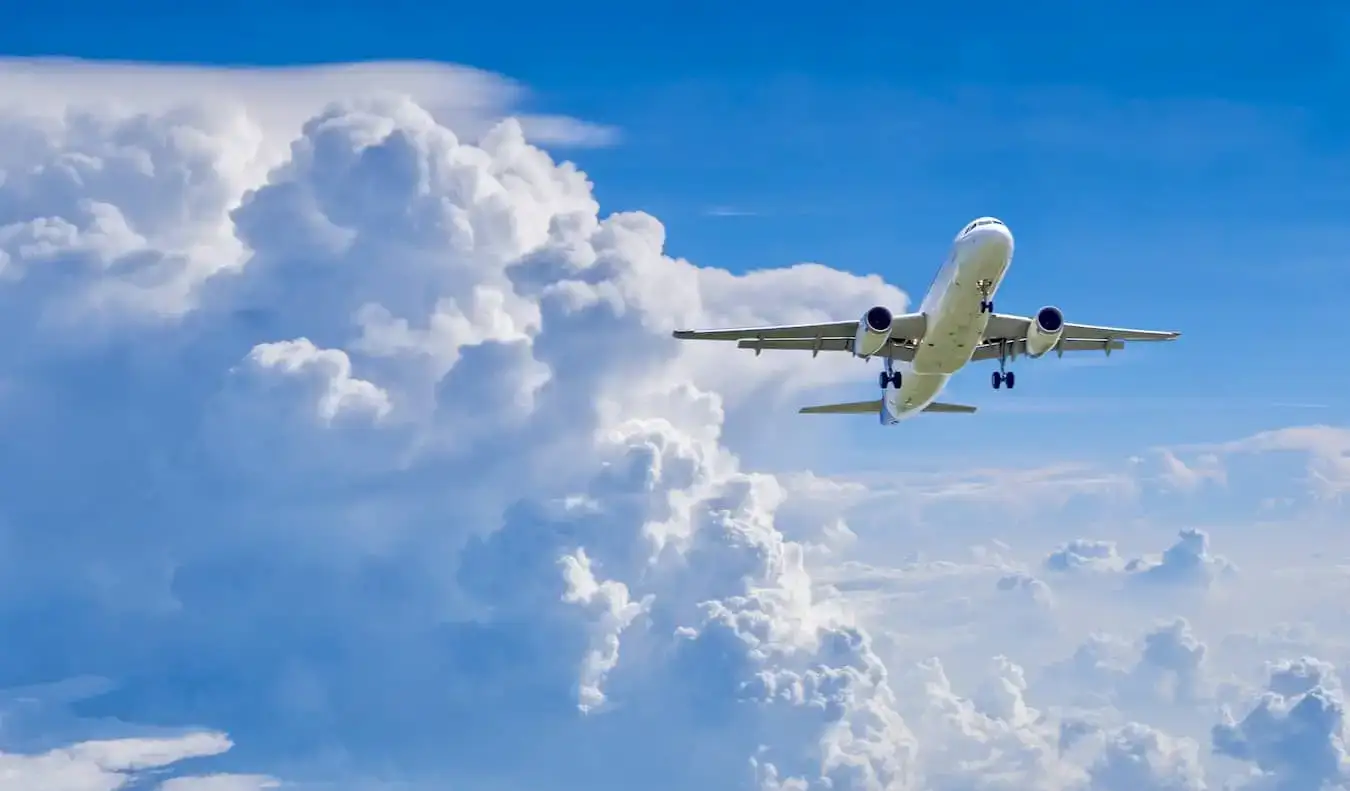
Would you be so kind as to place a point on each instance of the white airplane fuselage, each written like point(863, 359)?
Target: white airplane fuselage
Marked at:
point(955, 314)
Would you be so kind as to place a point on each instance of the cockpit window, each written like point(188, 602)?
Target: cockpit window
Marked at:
point(977, 224)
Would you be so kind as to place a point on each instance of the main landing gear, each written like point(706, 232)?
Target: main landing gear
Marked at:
point(890, 375)
point(1003, 376)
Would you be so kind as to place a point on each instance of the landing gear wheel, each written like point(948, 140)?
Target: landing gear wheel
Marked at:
point(1009, 379)
point(996, 379)
point(987, 306)
point(892, 378)
point(999, 379)
point(885, 377)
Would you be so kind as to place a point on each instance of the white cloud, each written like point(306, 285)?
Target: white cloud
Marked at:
point(279, 98)
point(1189, 477)
point(1188, 561)
point(1295, 733)
point(378, 456)
point(339, 391)
point(220, 783)
point(1326, 448)
point(116, 764)
point(614, 612)
point(1139, 758)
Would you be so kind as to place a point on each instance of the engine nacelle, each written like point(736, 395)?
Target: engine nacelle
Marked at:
point(1044, 331)
point(874, 329)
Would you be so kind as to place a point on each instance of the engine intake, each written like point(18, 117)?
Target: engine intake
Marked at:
point(1045, 331)
point(874, 330)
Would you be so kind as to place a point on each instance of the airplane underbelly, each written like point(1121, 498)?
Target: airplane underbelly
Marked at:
point(956, 326)
point(916, 392)
point(951, 340)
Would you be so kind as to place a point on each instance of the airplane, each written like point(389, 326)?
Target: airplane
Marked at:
point(954, 325)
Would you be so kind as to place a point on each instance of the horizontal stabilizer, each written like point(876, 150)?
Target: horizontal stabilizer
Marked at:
point(873, 407)
point(852, 408)
point(938, 406)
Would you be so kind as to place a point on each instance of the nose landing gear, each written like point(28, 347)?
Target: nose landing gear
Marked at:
point(985, 286)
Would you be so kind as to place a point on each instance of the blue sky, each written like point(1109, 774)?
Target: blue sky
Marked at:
point(381, 508)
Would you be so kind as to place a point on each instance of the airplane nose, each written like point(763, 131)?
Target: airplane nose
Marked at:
point(992, 237)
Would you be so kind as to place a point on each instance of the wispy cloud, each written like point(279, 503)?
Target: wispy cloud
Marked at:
point(564, 132)
point(730, 211)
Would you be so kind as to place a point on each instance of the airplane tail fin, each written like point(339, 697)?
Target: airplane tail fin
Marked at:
point(873, 407)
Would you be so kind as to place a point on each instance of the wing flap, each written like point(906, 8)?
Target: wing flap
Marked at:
point(989, 351)
point(816, 345)
point(836, 329)
point(906, 326)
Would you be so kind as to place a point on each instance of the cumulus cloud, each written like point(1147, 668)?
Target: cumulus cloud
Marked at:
point(391, 296)
point(1085, 554)
point(331, 373)
point(1164, 669)
point(348, 423)
point(1139, 758)
point(1187, 562)
point(1295, 733)
point(1031, 588)
point(1173, 652)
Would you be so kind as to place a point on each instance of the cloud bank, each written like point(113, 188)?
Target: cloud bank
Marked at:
point(344, 422)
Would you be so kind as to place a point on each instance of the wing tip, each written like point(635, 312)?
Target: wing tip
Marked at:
point(682, 334)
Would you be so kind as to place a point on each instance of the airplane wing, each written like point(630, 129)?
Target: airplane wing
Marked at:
point(828, 336)
point(1015, 349)
point(907, 330)
point(1005, 327)
point(834, 329)
point(897, 351)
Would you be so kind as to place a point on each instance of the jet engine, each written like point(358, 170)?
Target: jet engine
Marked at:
point(874, 329)
point(1044, 331)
